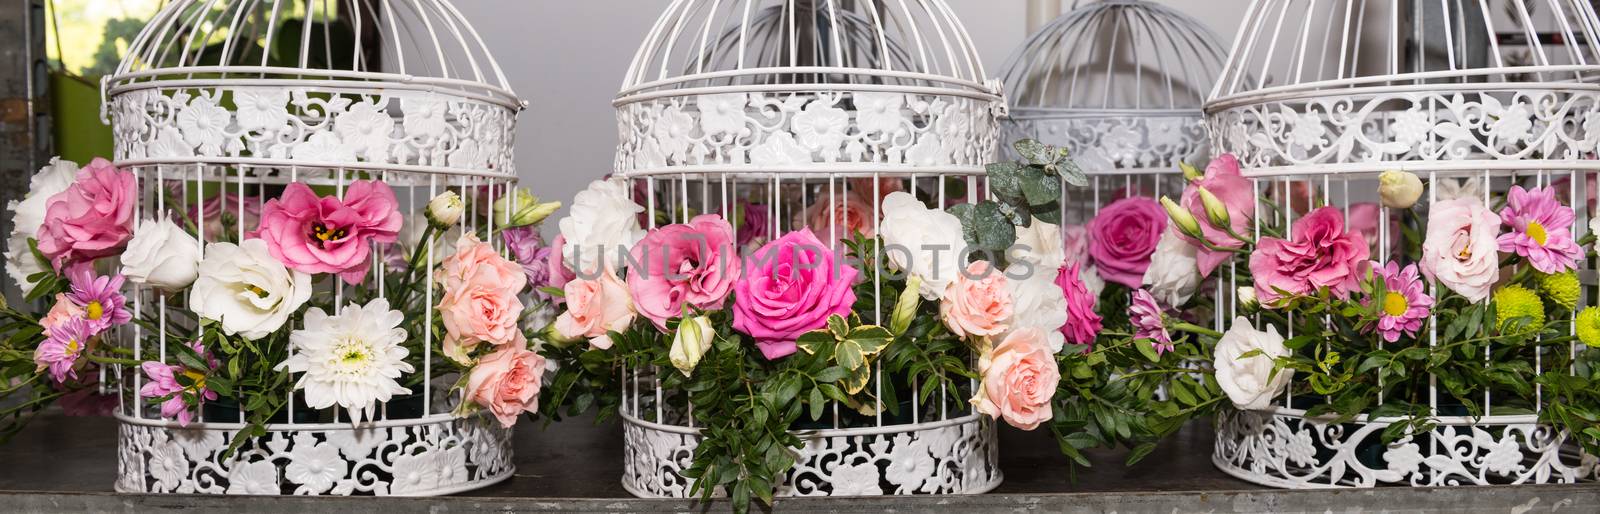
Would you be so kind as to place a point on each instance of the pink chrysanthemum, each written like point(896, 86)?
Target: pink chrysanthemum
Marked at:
point(1145, 314)
point(1082, 323)
point(60, 352)
point(1540, 230)
point(1405, 302)
point(163, 382)
point(100, 297)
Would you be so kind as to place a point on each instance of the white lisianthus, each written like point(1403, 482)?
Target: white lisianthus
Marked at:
point(1173, 275)
point(1041, 244)
point(603, 223)
point(28, 214)
point(353, 359)
point(161, 255)
point(690, 343)
point(1246, 380)
point(1037, 302)
point(920, 241)
point(245, 289)
point(445, 209)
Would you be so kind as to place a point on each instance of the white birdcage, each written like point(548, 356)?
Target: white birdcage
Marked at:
point(756, 109)
point(1317, 99)
point(218, 105)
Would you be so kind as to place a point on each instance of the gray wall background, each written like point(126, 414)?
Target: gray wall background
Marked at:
point(567, 57)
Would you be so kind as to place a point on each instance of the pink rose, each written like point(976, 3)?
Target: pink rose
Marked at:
point(886, 185)
point(329, 234)
point(1075, 244)
point(977, 303)
point(93, 218)
point(1123, 236)
point(594, 308)
point(694, 263)
point(1019, 379)
point(1222, 179)
point(841, 215)
point(1082, 323)
point(1321, 254)
point(477, 262)
point(507, 383)
point(792, 288)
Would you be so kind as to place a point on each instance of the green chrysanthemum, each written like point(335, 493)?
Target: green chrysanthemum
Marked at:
point(1589, 326)
point(1514, 301)
point(1561, 288)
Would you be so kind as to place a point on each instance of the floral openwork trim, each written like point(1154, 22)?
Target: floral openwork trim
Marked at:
point(1415, 126)
point(1294, 452)
point(433, 458)
point(402, 128)
point(805, 129)
point(962, 458)
point(1111, 143)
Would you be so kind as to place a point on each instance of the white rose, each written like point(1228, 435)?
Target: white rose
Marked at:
point(690, 343)
point(1036, 301)
point(1041, 244)
point(920, 241)
point(603, 221)
point(248, 291)
point(161, 255)
point(28, 214)
point(1173, 275)
point(1245, 380)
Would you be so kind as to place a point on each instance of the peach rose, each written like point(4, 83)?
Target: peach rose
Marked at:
point(595, 307)
point(1019, 379)
point(843, 217)
point(475, 260)
point(977, 303)
point(63, 310)
point(476, 312)
point(507, 383)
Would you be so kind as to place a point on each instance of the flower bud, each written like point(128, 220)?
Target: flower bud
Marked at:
point(905, 309)
point(444, 210)
point(1247, 298)
point(1190, 172)
point(1182, 219)
point(1399, 189)
point(1216, 211)
point(690, 343)
point(556, 338)
point(521, 208)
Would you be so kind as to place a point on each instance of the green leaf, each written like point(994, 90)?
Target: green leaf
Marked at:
point(849, 355)
point(838, 326)
point(1139, 453)
point(831, 374)
point(817, 403)
point(812, 341)
point(993, 229)
point(1006, 179)
point(1147, 349)
point(871, 339)
point(1040, 188)
point(1032, 150)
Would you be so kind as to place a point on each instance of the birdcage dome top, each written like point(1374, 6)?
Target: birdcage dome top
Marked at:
point(717, 46)
point(1350, 86)
point(393, 45)
point(1115, 55)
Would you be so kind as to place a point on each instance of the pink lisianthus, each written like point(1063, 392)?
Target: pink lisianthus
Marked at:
point(1019, 378)
point(1123, 236)
point(595, 307)
point(61, 352)
point(1459, 248)
point(315, 234)
point(1405, 301)
point(691, 264)
point(221, 213)
point(1082, 322)
point(1222, 179)
point(1540, 230)
point(1363, 218)
point(93, 218)
point(1321, 254)
point(163, 383)
point(792, 287)
point(977, 303)
point(99, 298)
point(507, 383)
point(1145, 315)
point(839, 215)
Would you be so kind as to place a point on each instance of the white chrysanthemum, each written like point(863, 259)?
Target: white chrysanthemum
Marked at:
point(351, 359)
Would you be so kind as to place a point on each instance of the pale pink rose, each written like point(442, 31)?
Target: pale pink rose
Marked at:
point(594, 308)
point(93, 218)
point(1459, 248)
point(693, 263)
point(507, 382)
point(977, 303)
point(1222, 178)
point(475, 261)
point(1075, 244)
point(1019, 379)
point(841, 215)
point(63, 310)
point(1321, 254)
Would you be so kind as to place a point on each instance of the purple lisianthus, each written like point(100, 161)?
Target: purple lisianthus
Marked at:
point(530, 252)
